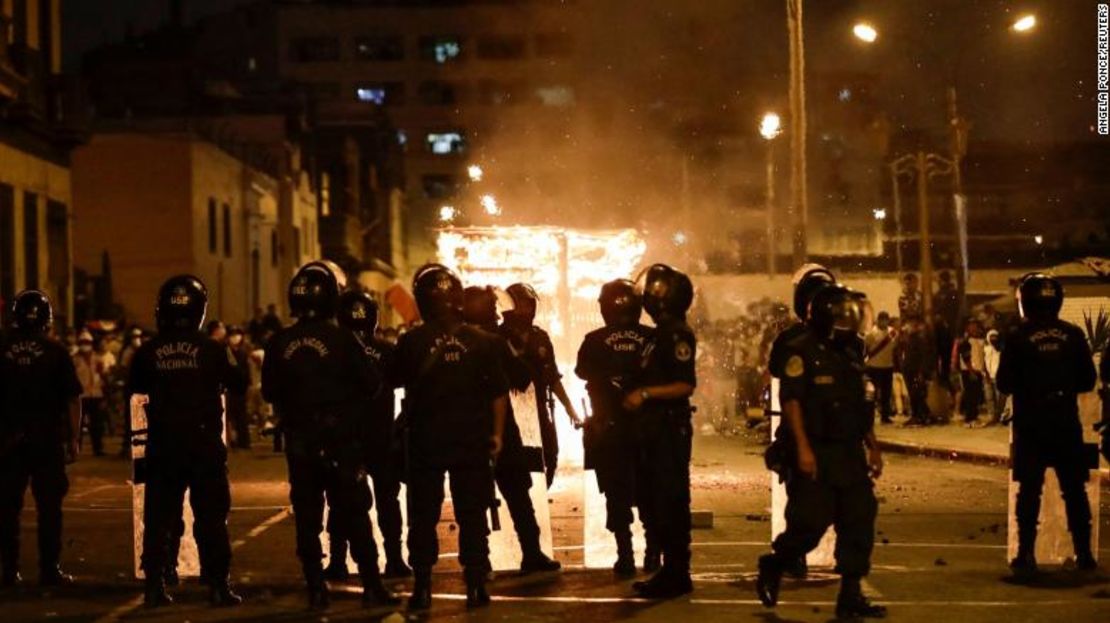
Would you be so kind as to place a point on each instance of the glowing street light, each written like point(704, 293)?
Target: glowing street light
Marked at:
point(1024, 23)
point(865, 32)
point(447, 214)
point(489, 204)
point(1039, 239)
point(475, 172)
point(770, 126)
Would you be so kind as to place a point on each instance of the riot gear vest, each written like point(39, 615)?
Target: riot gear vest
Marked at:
point(829, 384)
point(669, 358)
point(608, 360)
point(37, 381)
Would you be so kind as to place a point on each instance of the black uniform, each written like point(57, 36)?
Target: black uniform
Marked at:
point(608, 360)
point(1045, 365)
point(451, 374)
point(38, 382)
point(319, 380)
point(377, 434)
point(828, 381)
point(538, 354)
point(666, 432)
point(184, 374)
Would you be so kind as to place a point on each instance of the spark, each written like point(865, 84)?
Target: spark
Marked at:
point(880, 214)
point(489, 204)
point(447, 214)
point(475, 172)
point(770, 126)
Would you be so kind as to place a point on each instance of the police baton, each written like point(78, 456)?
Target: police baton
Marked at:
point(495, 502)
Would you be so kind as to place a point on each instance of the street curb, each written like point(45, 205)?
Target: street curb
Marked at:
point(963, 456)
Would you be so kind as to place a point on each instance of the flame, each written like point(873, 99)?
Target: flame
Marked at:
point(567, 268)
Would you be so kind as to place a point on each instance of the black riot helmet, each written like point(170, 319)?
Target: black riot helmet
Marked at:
point(314, 290)
point(807, 281)
point(480, 306)
point(438, 292)
point(525, 303)
point(1040, 296)
point(620, 303)
point(31, 311)
point(837, 312)
point(358, 311)
point(182, 304)
point(666, 292)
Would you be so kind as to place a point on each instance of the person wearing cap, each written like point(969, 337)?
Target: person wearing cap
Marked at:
point(91, 372)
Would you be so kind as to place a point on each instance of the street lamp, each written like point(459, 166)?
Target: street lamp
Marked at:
point(769, 128)
point(865, 32)
point(1024, 23)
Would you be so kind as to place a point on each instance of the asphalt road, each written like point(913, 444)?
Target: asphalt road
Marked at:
point(941, 555)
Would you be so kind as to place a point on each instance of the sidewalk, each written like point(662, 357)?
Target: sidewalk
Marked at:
point(954, 442)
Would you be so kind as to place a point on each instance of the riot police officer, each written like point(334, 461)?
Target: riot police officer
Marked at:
point(183, 373)
point(40, 416)
point(807, 280)
point(317, 376)
point(535, 348)
point(512, 473)
point(608, 360)
point(834, 450)
point(358, 311)
point(661, 395)
point(1045, 365)
point(455, 409)
point(1104, 393)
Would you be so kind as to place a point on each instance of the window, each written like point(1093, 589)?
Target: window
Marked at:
point(314, 49)
point(556, 96)
point(273, 248)
point(554, 45)
point(31, 239)
point(441, 48)
point(7, 242)
point(440, 93)
point(381, 93)
point(438, 186)
point(380, 48)
point(212, 225)
point(501, 47)
point(497, 93)
point(227, 230)
point(445, 143)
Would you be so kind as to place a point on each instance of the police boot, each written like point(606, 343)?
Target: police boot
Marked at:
point(652, 559)
point(535, 561)
point(318, 596)
point(1084, 557)
point(666, 584)
point(374, 593)
point(798, 569)
point(53, 575)
point(395, 567)
point(10, 578)
point(421, 598)
point(1024, 565)
point(336, 570)
point(626, 563)
point(769, 580)
point(155, 595)
point(851, 603)
point(476, 594)
point(220, 594)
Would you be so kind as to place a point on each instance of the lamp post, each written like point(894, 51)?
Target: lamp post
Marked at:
point(769, 128)
point(799, 203)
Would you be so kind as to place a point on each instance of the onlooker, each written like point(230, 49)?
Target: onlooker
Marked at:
point(217, 331)
point(946, 301)
point(992, 354)
point(238, 421)
point(969, 359)
point(271, 323)
point(917, 363)
point(90, 371)
point(879, 343)
point(911, 304)
point(255, 328)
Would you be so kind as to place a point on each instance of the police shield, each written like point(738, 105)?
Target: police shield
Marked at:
point(504, 547)
point(822, 555)
point(188, 559)
point(1054, 544)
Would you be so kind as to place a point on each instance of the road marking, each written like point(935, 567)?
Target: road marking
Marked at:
point(88, 492)
point(134, 604)
point(128, 509)
point(869, 589)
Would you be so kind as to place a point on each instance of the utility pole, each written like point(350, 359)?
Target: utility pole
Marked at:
point(799, 207)
point(959, 128)
point(900, 166)
point(925, 166)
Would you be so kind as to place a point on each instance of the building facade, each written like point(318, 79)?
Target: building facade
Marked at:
point(155, 204)
point(35, 141)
